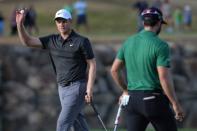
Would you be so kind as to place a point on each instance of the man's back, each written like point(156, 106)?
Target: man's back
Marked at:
point(142, 53)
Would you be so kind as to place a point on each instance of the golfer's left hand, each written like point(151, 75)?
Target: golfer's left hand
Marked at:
point(88, 96)
point(124, 98)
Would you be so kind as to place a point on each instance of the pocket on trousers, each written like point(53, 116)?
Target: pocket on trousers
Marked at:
point(155, 105)
point(69, 96)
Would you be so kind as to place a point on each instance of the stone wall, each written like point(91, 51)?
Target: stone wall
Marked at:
point(28, 93)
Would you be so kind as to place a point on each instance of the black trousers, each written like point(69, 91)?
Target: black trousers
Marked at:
point(146, 107)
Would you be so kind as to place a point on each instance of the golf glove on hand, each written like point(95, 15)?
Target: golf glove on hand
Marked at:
point(124, 100)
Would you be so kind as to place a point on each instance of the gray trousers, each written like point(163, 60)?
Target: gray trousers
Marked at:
point(72, 100)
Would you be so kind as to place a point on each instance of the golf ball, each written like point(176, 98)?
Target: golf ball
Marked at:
point(22, 11)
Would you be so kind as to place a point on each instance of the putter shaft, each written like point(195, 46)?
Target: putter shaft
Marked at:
point(98, 116)
point(117, 117)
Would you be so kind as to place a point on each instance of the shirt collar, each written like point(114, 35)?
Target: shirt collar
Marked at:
point(149, 33)
point(72, 34)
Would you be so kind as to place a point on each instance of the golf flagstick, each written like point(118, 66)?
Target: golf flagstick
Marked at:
point(97, 114)
point(117, 117)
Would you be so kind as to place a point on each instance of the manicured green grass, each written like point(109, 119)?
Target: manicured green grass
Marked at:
point(109, 20)
point(146, 130)
point(105, 17)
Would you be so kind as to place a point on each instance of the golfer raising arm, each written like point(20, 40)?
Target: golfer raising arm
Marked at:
point(146, 58)
point(70, 54)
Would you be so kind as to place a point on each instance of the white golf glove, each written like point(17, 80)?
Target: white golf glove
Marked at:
point(124, 100)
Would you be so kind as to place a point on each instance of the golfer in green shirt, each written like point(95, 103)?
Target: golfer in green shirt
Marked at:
point(149, 85)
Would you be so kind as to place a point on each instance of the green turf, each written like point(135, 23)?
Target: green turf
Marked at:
point(105, 17)
point(146, 130)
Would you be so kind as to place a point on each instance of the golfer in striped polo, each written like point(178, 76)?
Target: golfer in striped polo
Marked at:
point(147, 61)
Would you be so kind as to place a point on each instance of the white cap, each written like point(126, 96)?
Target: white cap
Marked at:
point(63, 13)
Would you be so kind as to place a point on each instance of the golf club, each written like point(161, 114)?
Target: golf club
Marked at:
point(117, 117)
point(97, 114)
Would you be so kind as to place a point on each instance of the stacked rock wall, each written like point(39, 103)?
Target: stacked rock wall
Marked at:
point(28, 91)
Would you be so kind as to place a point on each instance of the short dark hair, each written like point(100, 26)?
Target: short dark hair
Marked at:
point(150, 20)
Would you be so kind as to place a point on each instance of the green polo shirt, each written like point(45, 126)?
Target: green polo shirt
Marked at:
point(142, 53)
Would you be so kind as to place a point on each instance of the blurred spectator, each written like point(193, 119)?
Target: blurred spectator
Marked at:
point(80, 7)
point(177, 18)
point(13, 22)
point(140, 5)
point(69, 6)
point(167, 9)
point(1, 24)
point(187, 17)
point(30, 20)
point(157, 4)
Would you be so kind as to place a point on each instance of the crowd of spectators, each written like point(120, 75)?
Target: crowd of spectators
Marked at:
point(179, 18)
point(176, 16)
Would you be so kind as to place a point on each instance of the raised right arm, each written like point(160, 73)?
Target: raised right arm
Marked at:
point(25, 38)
